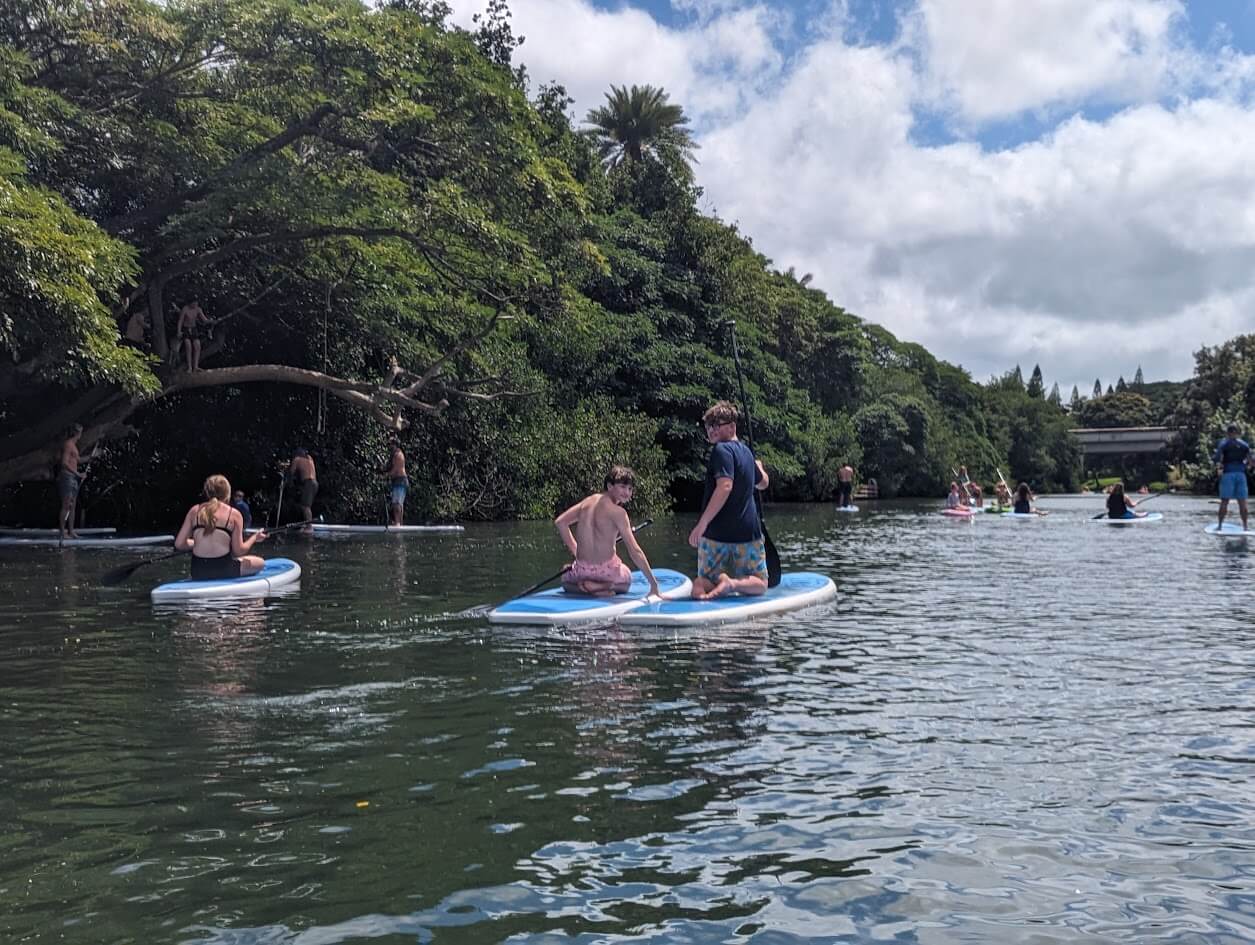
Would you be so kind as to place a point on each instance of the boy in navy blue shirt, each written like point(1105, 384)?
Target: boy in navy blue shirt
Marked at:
point(238, 503)
point(1232, 456)
point(731, 557)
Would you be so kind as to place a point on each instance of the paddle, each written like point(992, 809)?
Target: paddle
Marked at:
point(563, 570)
point(283, 481)
point(1153, 495)
point(769, 546)
point(963, 486)
point(123, 572)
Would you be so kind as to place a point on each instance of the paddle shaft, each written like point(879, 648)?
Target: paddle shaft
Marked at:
point(1153, 495)
point(283, 481)
point(566, 567)
point(769, 546)
point(119, 574)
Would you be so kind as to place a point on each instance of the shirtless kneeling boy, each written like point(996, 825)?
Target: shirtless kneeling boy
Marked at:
point(597, 569)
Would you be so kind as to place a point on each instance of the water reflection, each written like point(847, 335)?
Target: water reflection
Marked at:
point(1001, 733)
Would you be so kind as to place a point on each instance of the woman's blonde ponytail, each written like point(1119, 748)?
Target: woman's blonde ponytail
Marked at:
point(217, 490)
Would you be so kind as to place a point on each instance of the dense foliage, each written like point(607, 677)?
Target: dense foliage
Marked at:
point(1222, 391)
point(389, 234)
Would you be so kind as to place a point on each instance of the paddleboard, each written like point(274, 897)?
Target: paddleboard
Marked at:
point(1228, 530)
point(1032, 515)
point(320, 529)
point(51, 532)
point(1148, 517)
point(277, 573)
point(958, 513)
point(108, 542)
point(847, 508)
point(795, 591)
point(555, 606)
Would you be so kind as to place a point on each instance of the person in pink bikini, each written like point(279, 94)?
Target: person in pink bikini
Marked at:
point(602, 520)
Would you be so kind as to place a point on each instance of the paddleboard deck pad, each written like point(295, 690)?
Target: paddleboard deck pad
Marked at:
point(1148, 517)
point(320, 529)
point(278, 572)
point(52, 532)
point(1228, 530)
point(555, 606)
point(794, 592)
point(103, 542)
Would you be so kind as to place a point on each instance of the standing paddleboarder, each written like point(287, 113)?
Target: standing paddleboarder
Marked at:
point(731, 556)
point(69, 479)
point(1232, 456)
point(304, 476)
point(398, 482)
point(845, 485)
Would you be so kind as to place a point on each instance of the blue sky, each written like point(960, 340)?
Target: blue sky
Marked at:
point(1063, 182)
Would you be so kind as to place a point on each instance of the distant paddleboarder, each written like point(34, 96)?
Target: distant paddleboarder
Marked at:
point(304, 478)
point(1120, 505)
point(602, 521)
point(69, 479)
point(1232, 456)
point(954, 500)
point(845, 485)
point(214, 532)
point(398, 482)
point(731, 555)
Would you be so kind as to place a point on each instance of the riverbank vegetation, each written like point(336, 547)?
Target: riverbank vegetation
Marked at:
point(392, 227)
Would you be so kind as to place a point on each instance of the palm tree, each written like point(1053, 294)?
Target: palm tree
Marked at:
point(637, 122)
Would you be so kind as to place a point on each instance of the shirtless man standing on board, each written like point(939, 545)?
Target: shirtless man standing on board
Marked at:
point(68, 481)
point(602, 520)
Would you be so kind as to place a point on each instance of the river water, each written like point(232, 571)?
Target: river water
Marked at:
point(1003, 731)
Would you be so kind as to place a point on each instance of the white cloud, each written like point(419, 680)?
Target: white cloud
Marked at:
point(1102, 245)
point(712, 68)
point(997, 58)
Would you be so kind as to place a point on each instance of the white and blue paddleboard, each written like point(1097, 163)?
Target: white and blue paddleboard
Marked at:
point(16, 532)
point(555, 606)
point(1228, 530)
point(109, 541)
point(795, 591)
point(847, 508)
point(321, 529)
point(1032, 515)
point(278, 572)
point(1140, 520)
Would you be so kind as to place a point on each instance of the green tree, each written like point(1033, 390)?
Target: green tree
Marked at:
point(1097, 389)
point(637, 122)
point(1074, 403)
point(1055, 397)
point(1036, 385)
point(1121, 387)
point(1138, 381)
point(1117, 409)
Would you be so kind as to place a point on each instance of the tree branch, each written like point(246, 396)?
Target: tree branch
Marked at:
point(150, 217)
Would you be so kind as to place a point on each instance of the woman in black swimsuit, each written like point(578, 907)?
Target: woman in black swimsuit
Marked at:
point(214, 533)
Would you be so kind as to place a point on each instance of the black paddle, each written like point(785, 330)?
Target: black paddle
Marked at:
point(769, 546)
point(123, 572)
point(1153, 495)
point(563, 570)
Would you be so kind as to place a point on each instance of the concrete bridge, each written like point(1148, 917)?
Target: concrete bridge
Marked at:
point(1112, 441)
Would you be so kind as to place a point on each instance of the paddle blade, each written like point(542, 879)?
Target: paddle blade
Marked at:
point(115, 576)
point(773, 559)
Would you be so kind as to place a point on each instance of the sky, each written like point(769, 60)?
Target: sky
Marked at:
point(1068, 183)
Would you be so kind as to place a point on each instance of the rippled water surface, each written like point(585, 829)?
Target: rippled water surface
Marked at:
point(1003, 731)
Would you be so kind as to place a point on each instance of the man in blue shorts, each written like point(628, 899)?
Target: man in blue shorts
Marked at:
point(731, 558)
point(1232, 456)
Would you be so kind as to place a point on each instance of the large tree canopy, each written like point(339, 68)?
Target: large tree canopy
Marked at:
point(388, 234)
